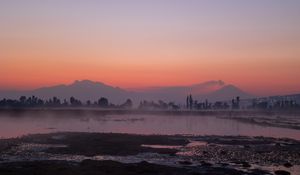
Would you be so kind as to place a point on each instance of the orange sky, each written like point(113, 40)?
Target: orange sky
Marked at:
point(254, 48)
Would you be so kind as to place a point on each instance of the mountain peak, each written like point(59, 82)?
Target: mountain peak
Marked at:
point(211, 83)
point(82, 81)
point(207, 87)
point(86, 82)
point(228, 92)
point(230, 86)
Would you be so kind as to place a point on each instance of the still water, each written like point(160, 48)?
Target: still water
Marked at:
point(32, 123)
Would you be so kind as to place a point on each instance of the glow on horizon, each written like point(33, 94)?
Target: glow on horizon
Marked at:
point(251, 44)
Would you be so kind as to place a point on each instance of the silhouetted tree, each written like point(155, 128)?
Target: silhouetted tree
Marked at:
point(195, 104)
point(65, 103)
point(55, 102)
point(22, 100)
point(103, 102)
point(187, 102)
point(162, 104)
point(191, 102)
point(88, 103)
point(40, 102)
point(232, 104)
point(74, 102)
point(237, 102)
point(127, 105)
point(173, 106)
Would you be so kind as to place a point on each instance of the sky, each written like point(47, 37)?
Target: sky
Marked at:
point(254, 45)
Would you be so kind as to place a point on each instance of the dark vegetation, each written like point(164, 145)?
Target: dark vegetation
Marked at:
point(35, 102)
point(191, 104)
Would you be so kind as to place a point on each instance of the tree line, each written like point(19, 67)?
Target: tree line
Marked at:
point(33, 101)
point(191, 104)
point(235, 104)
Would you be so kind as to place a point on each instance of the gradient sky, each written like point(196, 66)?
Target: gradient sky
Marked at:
point(253, 44)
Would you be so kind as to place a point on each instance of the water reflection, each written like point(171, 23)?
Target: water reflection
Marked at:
point(30, 123)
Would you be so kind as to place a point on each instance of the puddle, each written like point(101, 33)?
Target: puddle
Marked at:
point(162, 146)
point(194, 143)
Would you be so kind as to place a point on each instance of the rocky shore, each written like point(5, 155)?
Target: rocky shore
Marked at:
point(99, 153)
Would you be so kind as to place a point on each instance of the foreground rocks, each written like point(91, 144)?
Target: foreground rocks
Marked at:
point(86, 167)
point(99, 153)
point(89, 167)
point(247, 150)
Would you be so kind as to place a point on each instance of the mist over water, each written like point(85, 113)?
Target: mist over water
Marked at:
point(18, 124)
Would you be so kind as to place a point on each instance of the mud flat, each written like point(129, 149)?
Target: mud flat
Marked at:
point(99, 153)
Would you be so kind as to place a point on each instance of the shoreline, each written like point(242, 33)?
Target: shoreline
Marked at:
point(103, 111)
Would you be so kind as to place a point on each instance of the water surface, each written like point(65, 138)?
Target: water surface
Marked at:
point(32, 123)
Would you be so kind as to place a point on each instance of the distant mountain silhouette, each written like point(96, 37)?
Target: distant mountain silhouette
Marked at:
point(179, 93)
point(90, 90)
point(83, 90)
point(226, 93)
point(200, 88)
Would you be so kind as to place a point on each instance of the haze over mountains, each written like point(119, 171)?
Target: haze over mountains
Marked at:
point(89, 90)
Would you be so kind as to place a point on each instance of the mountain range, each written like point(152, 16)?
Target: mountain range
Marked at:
point(90, 90)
